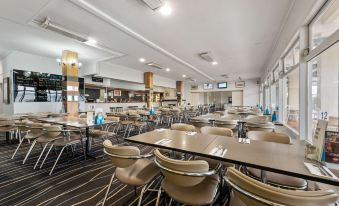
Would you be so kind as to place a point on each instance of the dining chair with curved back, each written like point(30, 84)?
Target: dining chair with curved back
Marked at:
point(217, 131)
point(187, 182)
point(275, 179)
point(132, 168)
point(32, 131)
point(183, 127)
point(200, 122)
point(247, 191)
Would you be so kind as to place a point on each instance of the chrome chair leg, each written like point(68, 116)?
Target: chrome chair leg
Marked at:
point(141, 195)
point(56, 161)
point(42, 152)
point(158, 197)
point(16, 150)
point(46, 156)
point(29, 151)
point(108, 187)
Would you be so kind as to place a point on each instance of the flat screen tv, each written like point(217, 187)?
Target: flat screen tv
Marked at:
point(222, 85)
point(208, 86)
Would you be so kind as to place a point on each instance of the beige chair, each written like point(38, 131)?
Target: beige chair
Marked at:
point(187, 182)
point(45, 140)
point(265, 127)
point(217, 131)
point(70, 138)
point(226, 123)
point(31, 132)
point(200, 122)
point(132, 168)
point(247, 191)
point(275, 179)
point(183, 127)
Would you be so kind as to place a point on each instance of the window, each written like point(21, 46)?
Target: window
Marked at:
point(325, 87)
point(291, 99)
point(291, 59)
point(276, 74)
point(275, 97)
point(325, 24)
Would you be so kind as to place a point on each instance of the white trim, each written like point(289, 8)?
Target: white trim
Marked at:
point(109, 19)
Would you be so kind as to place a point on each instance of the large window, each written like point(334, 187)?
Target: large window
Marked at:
point(325, 24)
point(325, 83)
point(291, 99)
point(291, 59)
point(275, 97)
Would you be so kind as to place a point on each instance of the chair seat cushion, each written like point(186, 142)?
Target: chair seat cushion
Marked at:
point(201, 194)
point(99, 133)
point(46, 139)
point(140, 173)
point(33, 135)
point(279, 179)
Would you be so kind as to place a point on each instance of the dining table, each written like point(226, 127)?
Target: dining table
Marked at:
point(79, 123)
point(286, 159)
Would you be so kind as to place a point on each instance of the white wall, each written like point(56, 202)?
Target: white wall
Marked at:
point(250, 92)
point(237, 98)
point(163, 81)
point(120, 72)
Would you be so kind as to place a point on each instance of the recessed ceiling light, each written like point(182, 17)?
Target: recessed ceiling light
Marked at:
point(165, 9)
point(58, 60)
point(168, 69)
point(214, 63)
point(142, 60)
point(91, 41)
point(184, 75)
point(80, 64)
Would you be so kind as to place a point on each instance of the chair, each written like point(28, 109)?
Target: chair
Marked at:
point(275, 179)
point(217, 131)
point(187, 182)
point(7, 125)
point(198, 123)
point(265, 127)
point(32, 130)
point(132, 168)
point(183, 127)
point(247, 191)
point(226, 123)
point(70, 139)
point(45, 139)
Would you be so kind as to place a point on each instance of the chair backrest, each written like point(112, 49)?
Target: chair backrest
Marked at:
point(269, 137)
point(254, 193)
point(36, 128)
point(183, 127)
point(121, 151)
point(53, 130)
point(113, 118)
point(200, 122)
point(217, 131)
point(193, 166)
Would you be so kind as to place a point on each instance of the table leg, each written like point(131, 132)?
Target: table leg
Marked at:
point(263, 176)
point(88, 145)
point(7, 137)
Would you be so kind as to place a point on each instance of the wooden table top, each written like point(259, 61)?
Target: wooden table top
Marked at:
point(269, 156)
point(72, 121)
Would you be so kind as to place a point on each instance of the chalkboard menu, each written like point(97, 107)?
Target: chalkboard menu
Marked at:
point(39, 87)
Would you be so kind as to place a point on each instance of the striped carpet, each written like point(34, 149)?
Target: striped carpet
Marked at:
point(75, 181)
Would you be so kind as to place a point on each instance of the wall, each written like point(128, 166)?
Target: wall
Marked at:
point(163, 81)
point(237, 98)
point(250, 92)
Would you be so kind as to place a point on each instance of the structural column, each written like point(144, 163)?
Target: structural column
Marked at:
point(70, 83)
point(180, 91)
point(148, 80)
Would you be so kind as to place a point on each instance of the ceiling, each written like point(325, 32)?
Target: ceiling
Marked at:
point(240, 34)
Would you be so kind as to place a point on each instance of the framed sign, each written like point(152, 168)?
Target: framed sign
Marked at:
point(117, 93)
point(240, 84)
point(6, 91)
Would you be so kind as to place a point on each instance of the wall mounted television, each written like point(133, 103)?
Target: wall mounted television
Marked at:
point(222, 85)
point(208, 86)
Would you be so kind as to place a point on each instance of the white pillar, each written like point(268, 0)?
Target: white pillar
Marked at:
point(305, 86)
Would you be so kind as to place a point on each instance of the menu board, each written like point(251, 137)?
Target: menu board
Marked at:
point(39, 87)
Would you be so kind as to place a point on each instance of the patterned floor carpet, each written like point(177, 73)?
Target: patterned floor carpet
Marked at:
point(75, 181)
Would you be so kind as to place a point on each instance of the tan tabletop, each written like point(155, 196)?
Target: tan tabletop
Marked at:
point(269, 156)
point(181, 141)
point(72, 121)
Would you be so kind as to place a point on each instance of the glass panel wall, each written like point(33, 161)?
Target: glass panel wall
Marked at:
point(325, 84)
point(292, 57)
point(325, 24)
point(291, 99)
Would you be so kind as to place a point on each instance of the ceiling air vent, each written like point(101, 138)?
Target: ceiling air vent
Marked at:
point(153, 4)
point(155, 65)
point(206, 56)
